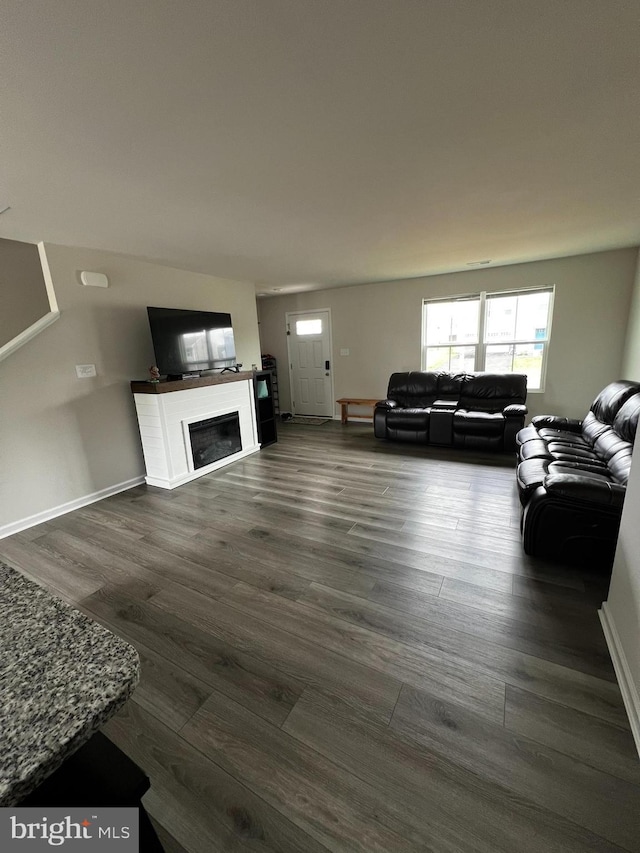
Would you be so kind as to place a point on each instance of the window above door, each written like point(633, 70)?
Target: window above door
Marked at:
point(309, 327)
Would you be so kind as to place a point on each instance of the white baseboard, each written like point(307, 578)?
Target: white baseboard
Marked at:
point(625, 680)
point(164, 483)
point(54, 512)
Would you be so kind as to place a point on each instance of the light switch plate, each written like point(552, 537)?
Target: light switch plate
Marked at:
point(85, 371)
point(344, 352)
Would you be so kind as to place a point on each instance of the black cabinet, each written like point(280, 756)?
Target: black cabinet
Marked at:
point(269, 363)
point(265, 407)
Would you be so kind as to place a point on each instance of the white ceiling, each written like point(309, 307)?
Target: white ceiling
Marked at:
point(314, 143)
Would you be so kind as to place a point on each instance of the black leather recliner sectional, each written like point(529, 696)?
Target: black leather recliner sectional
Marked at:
point(484, 411)
point(572, 477)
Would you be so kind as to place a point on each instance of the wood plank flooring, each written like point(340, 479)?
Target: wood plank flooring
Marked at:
point(344, 648)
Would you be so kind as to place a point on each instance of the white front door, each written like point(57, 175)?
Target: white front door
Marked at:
point(309, 342)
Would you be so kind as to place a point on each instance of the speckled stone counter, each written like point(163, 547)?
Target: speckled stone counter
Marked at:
point(62, 676)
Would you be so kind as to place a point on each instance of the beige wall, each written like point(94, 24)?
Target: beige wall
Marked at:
point(623, 604)
point(23, 295)
point(64, 438)
point(631, 358)
point(380, 324)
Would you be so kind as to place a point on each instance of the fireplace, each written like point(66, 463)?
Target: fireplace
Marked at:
point(214, 438)
point(175, 454)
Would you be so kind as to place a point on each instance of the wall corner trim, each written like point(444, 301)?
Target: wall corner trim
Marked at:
point(41, 324)
point(33, 330)
point(62, 509)
point(623, 672)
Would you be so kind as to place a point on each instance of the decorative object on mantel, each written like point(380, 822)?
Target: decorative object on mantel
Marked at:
point(154, 373)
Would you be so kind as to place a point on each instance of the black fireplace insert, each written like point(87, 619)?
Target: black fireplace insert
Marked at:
point(214, 439)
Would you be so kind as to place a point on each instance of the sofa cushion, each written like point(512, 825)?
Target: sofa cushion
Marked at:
point(408, 419)
point(620, 465)
point(527, 434)
point(536, 448)
point(529, 475)
point(578, 487)
point(532, 473)
point(569, 439)
point(576, 466)
point(449, 385)
point(413, 389)
point(556, 422)
point(515, 410)
point(483, 423)
point(608, 402)
point(626, 421)
point(491, 392)
point(592, 428)
point(572, 451)
point(592, 473)
point(609, 444)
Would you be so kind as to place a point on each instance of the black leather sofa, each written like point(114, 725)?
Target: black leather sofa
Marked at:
point(572, 477)
point(478, 410)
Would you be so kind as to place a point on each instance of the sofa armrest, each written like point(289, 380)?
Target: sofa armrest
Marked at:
point(555, 422)
point(517, 410)
point(386, 404)
point(585, 489)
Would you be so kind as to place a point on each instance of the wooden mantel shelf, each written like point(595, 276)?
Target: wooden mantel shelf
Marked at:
point(166, 386)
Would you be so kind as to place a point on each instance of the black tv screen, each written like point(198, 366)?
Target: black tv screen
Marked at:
point(187, 341)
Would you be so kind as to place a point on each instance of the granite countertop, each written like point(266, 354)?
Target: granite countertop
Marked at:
point(62, 676)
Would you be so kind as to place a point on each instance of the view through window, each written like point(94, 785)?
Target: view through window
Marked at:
point(309, 327)
point(496, 332)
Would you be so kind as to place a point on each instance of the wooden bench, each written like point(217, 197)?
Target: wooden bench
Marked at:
point(345, 402)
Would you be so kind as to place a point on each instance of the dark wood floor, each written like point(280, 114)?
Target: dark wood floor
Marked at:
point(344, 648)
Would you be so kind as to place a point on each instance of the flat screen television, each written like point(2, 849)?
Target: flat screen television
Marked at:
point(188, 342)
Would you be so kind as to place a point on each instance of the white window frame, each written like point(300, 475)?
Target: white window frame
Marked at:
point(481, 346)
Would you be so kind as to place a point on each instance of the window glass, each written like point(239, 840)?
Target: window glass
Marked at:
point(528, 358)
point(517, 358)
point(453, 359)
point(516, 333)
point(499, 358)
point(500, 324)
point(449, 322)
point(309, 327)
point(518, 317)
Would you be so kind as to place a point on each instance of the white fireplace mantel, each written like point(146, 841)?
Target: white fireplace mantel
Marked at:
point(165, 410)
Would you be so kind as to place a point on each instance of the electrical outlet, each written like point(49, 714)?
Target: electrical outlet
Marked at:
point(85, 371)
